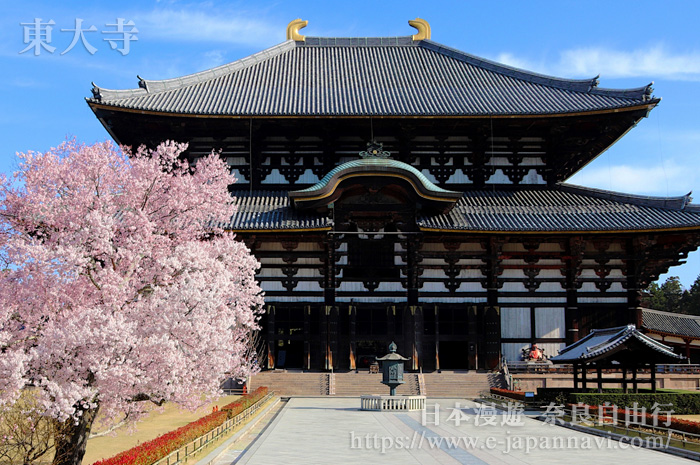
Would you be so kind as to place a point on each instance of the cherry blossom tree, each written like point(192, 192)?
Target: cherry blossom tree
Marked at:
point(119, 285)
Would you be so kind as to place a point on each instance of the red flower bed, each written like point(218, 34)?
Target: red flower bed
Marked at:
point(518, 395)
point(676, 423)
point(154, 450)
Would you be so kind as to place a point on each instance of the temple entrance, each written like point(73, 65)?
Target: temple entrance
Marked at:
point(290, 353)
point(289, 329)
point(454, 355)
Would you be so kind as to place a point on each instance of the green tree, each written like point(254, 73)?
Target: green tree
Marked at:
point(667, 297)
point(691, 299)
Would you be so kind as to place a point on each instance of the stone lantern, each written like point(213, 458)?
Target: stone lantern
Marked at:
point(392, 369)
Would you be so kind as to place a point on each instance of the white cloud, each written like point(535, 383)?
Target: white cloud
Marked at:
point(653, 62)
point(668, 179)
point(223, 27)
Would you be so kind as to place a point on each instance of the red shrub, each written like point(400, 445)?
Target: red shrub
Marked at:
point(154, 450)
point(518, 395)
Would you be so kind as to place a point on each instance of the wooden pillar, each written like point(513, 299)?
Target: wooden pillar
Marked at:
point(492, 336)
point(473, 339)
point(391, 323)
point(307, 337)
point(624, 379)
point(437, 338)
point(325, 346)
point(331, 243)
point(687, 348)
point(271, 337)
point(634, 379)
point(599, 372)
point(653, 377)
point(353, 344)
point(333, 337)
point(576, 368)
point(584, 374)
point(572, 316)
point(414, 331)
point(412, 244)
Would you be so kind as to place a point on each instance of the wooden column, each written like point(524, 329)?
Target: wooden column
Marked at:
point(331, 244)
point(624, 379)
point(634, 379)
point(473, 339)
point(576, 368)
point(584, 374)
point(574, 251)
point(599, 372)
point(307, 337)
point(333, 338)
point(413, 259)
point(325, 346)
point(653, 377)
point(414, 331)
point(437, 338)
point(271, 339)
point(353, 344)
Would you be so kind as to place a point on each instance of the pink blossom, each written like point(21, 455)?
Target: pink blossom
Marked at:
point(118, 281)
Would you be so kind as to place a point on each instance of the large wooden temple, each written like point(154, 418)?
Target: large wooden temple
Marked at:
point(396, 189)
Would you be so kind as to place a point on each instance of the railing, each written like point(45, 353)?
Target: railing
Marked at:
point(331, 383)
point(685, 368)
point(421, 384)
point(382, 403)
point(506, 372)
point(537, 367)
point(547, 367)
point(182, 453)
point(651, 434)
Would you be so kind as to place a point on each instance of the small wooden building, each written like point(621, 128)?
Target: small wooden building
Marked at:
point(624, 349)
point(395, 188)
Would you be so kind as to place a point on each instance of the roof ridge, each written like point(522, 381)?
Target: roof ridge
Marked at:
point(681, 202)
point(589, 85)
point(147, 86)
point(579, 85)
point(674, 314)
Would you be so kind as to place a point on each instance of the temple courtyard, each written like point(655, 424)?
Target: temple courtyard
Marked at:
point(313, 430)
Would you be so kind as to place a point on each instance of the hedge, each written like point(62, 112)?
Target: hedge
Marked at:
point(682, 403)
point(676, 423)
point(154, 450)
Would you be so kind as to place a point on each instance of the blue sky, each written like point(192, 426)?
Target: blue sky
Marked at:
point(628, 43)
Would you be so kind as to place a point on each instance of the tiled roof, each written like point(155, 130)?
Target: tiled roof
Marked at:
point(560, 208)
point(563, 208)
point(671, 323)
point(374, 166)
point(271, 210)
point(368, 76)
point(600, 342)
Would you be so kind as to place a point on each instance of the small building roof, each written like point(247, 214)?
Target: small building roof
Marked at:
point(374, 166)
point(671, 324)
point(623, 344)
point(385, 76)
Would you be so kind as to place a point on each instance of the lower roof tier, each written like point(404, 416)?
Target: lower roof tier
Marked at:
point(562, 208)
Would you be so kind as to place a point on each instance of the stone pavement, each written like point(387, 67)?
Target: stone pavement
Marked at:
point(329, 430)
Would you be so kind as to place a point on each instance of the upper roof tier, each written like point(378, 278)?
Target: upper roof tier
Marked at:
point(387, 76)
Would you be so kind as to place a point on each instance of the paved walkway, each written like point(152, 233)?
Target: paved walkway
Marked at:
point(333, 430)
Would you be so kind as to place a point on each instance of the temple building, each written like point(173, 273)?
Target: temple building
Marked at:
point(396, 189)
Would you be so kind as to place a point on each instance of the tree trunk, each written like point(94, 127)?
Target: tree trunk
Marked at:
point(71, 438)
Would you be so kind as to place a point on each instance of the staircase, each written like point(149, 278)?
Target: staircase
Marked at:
point(460, 384)
point(446, 384)
point(356, 384)
point(291, 383)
